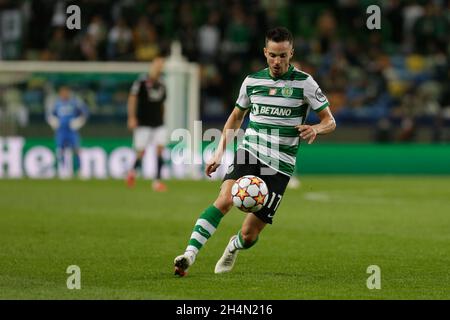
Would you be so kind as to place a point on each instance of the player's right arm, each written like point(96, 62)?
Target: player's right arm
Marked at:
point(132, 120)
point(233, 123)
point(52, 117)
point(132, 106)
point(319, 103)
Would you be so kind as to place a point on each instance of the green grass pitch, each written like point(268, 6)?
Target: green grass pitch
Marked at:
point(324, 237)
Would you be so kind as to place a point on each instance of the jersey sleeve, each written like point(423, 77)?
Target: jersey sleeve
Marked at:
point(135, 88)
point(243, 101)
point(314, 96)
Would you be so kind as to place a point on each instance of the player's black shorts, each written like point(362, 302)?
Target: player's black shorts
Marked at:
point(245, 163)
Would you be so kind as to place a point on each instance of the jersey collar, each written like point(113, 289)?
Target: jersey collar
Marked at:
point(285, 76)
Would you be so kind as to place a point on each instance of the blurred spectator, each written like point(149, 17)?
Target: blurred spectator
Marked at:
point(357, 89)
point(212, 84)
point(326, 26)
point(97, 28)
point(59, 48)
point(145, 40)
point(59, 14)
point(408, 114)
point(95, 46)
point(272, 9)
point(40, 15)
point(157, 16)
point(120, 41)
point(209, 38)
point(13, 113)
point(11, 33)
point(187, 32)
point(431, 30)
point(418, 101)
point(367, 74)
point(444, 104)
point(237, 34)
point(393, 13)
point(88, 47)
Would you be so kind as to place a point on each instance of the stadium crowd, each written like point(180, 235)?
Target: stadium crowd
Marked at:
point(399, 73)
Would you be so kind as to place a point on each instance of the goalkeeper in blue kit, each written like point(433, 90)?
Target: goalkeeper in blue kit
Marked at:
point(66, 116)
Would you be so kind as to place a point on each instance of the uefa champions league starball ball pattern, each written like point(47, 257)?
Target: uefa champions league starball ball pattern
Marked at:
point(249, 193)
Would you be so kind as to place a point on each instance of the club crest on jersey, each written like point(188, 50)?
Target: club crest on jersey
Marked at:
point(255, 109)
point(155, 94)
point(287, 91)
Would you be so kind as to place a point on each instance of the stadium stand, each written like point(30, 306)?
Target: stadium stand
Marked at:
point(395, 76)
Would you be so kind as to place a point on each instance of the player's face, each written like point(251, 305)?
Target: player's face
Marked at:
point(278, 55)
point(156, 68)
point(64, 93)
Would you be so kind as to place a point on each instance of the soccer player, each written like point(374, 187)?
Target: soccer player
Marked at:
point(66, 116)
point(145, 118)
point(278, 99)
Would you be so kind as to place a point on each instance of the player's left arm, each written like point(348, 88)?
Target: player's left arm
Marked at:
point(52, 118)
point(80, 120)
point(327, 124)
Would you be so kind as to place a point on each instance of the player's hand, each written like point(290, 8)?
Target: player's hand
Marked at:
point(307, 132)
point(132, 123)
point(54, 123)
point(211, 166)
point(75, 124)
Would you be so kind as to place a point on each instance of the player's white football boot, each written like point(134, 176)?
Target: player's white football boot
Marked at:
point(226, 262)
point(182, 263)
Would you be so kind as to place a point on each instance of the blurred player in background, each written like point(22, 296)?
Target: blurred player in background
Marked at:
point(66, 116)
point(145, 118)
point(287, 94)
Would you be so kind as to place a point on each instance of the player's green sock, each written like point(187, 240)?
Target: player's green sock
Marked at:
point(238, 243)
point(204, 228)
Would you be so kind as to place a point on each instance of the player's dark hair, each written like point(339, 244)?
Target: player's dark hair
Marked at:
point(279, 34)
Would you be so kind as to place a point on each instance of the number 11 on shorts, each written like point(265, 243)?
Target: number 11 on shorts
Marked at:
point(274, 195)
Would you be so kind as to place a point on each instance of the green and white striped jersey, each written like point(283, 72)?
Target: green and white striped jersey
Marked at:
point(276, 106)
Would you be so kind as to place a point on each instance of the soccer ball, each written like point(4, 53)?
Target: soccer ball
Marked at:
point(249, 193)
